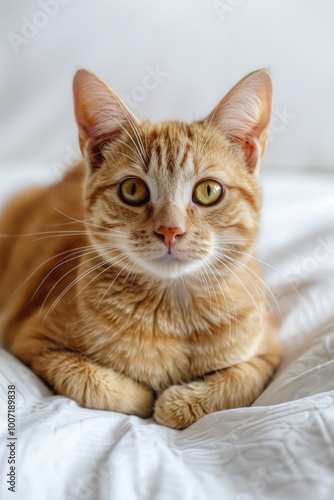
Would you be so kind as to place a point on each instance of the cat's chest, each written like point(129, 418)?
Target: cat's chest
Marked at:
point(161, 360)
point(162, 343)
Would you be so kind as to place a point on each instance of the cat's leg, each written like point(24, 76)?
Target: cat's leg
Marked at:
point(91, 385)
point(181, 405)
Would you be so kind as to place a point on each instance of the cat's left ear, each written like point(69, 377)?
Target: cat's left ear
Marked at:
point(100, 114)
point(244, 116)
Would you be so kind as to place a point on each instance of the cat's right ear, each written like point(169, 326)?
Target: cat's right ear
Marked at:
point(100, 114)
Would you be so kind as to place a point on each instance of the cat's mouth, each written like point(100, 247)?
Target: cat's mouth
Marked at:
point(169, 258)
point(170, 266)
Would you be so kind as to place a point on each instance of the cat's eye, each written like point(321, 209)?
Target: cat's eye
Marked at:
point(208, 192)
point(133, 191)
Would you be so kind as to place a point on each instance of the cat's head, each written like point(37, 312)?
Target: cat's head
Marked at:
point(171, 197)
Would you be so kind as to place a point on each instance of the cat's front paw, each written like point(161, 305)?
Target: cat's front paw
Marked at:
point(180, 406)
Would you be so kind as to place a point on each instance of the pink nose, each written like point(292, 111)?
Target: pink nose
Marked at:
point(169, 233)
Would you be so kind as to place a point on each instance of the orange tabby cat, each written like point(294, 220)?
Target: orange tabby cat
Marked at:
point(134, 286)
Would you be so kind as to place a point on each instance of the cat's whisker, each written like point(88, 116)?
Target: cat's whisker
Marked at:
point(229, 332)
point(114, 263)
point(46, 262)
point(57, 234)
point(229, 268)
point(208, 265)
point(79, 231)
point(211, 265)
point(139, 153)
point(61, 224)
point(138, 260)
point(50, 234)
point(202, 144)
point(257, 308)
point(203, 278)
point(73, 283)
point(210, 151)
point(116, 152)
point(183, 284)
point(239, 263)
point(206, 278)
point(133, 280)
point(80, 221)
point(80, 251)
point(271, 267)
point(132, 124)
point(68, 287)
point(84, 222)
point(110, 285)
point(133, 150)
point(105, 236)
point(75, 255)
point(248, 276)
point(242, 240)
point(136, 132)
point(210, 134)
point(128, 274)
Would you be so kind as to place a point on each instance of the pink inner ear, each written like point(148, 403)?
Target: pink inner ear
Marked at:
point(250, 149)
point(99, 111)
point(244, 115)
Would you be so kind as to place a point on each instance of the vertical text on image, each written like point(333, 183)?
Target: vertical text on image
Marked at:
point(11, 439)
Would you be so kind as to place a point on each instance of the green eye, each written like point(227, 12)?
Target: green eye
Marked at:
point(134, 192)
point(207, 192)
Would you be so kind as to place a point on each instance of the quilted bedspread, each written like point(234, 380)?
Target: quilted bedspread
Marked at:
point(281, 448)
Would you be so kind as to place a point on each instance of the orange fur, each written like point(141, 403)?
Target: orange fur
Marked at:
point(91, 299)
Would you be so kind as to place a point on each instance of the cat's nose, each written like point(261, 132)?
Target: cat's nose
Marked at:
point(169, 234)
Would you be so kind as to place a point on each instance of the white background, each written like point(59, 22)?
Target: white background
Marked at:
point(203, 47)
point(282, 447)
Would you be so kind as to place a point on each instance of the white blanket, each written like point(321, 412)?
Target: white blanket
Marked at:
point(281, 447)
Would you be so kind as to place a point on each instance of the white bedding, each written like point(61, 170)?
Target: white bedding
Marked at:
point(281, 447)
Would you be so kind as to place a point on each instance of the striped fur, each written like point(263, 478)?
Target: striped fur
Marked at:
point(93, 303)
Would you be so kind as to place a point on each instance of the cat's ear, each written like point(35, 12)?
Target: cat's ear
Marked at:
point(244, 116)
point(100, 114)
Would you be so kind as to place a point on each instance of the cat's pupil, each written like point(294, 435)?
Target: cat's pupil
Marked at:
point(133, 189)
point(208, 189)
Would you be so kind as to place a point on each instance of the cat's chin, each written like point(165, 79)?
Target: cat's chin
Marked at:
point(170, 266)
